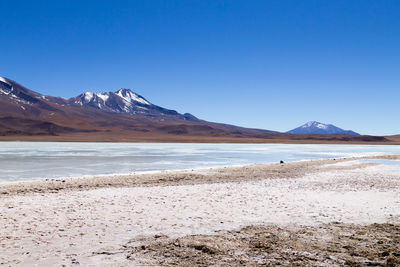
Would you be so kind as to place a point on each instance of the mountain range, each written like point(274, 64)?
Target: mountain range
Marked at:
point(28, 113)
point(123, 115)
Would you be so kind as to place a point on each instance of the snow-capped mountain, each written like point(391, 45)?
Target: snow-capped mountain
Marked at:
point(124, 101)
point(314, 127)
point(119, 115)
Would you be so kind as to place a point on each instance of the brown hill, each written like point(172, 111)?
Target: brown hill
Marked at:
point(394, 138)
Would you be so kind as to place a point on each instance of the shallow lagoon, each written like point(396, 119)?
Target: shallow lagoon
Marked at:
point(33, 160)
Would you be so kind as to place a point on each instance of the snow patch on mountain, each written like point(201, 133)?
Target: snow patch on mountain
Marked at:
point(322, 126)
point(130, 96)
point(103, 96)
point(4, 80)
point(88, 96)
point(6, 87)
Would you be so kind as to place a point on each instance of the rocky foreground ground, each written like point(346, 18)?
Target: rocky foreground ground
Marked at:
point(322, 245)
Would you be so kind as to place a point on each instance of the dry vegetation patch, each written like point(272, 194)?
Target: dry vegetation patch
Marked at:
point(326, 245)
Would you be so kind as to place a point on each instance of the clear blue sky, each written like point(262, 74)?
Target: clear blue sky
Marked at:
point(263, 64)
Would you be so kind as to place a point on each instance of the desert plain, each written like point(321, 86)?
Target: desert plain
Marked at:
point(319, 213)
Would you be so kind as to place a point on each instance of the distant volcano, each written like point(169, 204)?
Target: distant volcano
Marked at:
point(314, 127)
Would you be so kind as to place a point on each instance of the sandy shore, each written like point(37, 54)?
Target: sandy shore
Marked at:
point(328, 212)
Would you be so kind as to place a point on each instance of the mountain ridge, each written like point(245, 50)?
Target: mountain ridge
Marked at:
point(119, 111)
